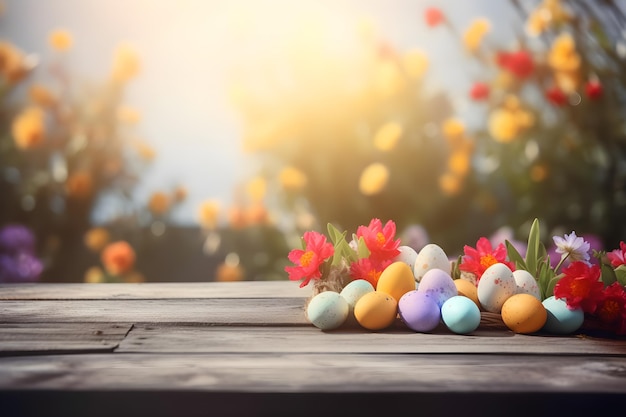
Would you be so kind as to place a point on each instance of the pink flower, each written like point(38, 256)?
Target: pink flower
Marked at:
point(309, 260)
point(479, 91)
point(380, 240)
point(433, 16)
point(612, 307)
point(556, 96)
point(482, 257)
point(519, 63)
point(580, 287)
point(594, 90)
point(368, 270)
point(618, 256)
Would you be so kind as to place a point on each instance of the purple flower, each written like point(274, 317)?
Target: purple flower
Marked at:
point(16, 238)
point(21, 267)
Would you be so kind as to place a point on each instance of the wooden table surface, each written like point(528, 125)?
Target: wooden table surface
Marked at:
point(245, 348)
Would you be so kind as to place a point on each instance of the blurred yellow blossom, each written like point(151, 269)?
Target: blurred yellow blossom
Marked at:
point(159, 203)
point(292, 179)
point(180, 194)
point(28, 128)
point(94, 275)
point(128, 115)
point(389, 79)
point(459, 162)
point(510, 120)
point(237, 217)
point(544, 15)
point(257, 214)
point(97, 238)
point(79, 185)
point(229, 272)
point(374, 178)
point(387, 136)
point(416, 63)
point(125, 64)
point(144, 150)
point(565, 62)
point(539, 172)
point(453, 129)
point(450, 184)
point(257, 188)
point(60, 39)
point(41, 96)
point(13, 65)
point(208, 214)
point(473, 36)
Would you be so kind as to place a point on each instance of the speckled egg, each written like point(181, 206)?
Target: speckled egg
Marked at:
point(327, 310)
point(526, 283)
point(376, 310)
point(523, 313)
point(419, 311)
point(355, 290)
point(562, 320)
point(496, 285)
point(467, 289)
point(430, 257)
point(460, 314)
point(407, 255)
point(439, 285)
point(396, 280)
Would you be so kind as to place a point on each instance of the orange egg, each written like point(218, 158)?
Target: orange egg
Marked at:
point(376, 310)
point(467, 289)
point(524, 313)
point(396, 280)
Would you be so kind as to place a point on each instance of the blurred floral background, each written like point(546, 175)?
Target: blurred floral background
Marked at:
point(197, 140)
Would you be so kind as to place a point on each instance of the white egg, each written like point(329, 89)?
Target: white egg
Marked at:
point(327, 310)
point(355, 290)
point(526, 283)
point(407, 255)
point(430, 257)
point(496, 285)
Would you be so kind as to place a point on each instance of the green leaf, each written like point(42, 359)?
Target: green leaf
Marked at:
point(609, 276)
point(362, 249)
point(550, 287)
point(533, 247)
point(514, 255)
point(620, 274)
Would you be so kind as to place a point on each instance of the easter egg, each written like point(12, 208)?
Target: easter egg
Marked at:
point(327, 310)
point(376, 310)
point(355, 290)
point(407, 255)
point(523, 313)
point(419, 311)
point(439, 285)
point(561, 319)
point(526, 283)
point(496, 285)
point(467, 289)
point(460, 314)
point(430, 257)
point(396, 280)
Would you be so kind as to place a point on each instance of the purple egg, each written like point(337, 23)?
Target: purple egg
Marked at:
point(419, 311)
point(439, 285)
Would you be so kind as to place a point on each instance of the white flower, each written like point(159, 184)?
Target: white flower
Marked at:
point(573, 246)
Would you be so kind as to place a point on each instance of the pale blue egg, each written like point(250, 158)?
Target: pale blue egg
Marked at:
point(327, 310)
point(561, 320)
point(460, 314)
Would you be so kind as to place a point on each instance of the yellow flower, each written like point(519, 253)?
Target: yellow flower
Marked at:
point(12, 63)
point(459, 163)
point(159, 203)
point(502, 125)
point(229, 272)
point(416, 63)
point(94, 275)
point(453, 129)
point(97, 238)
point(28, 128)
point(145, 151)
point(41, 96)
point(292, 179)
point(565, 62)
point(60, 39)
point(373, 179)
point(389, 80)
point(387, 136)
point(473, 36)
point(450, 184)
point(208, 213)
point(125, 64)
point(128, 115)
point(257, 188)
point(79, 185)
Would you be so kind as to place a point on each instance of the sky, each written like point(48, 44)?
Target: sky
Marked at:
point(187, 49)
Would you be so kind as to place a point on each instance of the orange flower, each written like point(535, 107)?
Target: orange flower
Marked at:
point(60, 40)
point(180, 194)
point(96, 238)
point(257, 214)
point(128, 115)
point(79, 185)
point(41, 96)
point(229, 273)
point(125, 64)
point(450, 184)
point(208, 214)
point(28, 128)
point(13, 65)
point(118, 257)
point(159, 203)
point(237, 218)
point(145, 151)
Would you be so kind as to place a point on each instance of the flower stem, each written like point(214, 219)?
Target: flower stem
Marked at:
point(563, 258)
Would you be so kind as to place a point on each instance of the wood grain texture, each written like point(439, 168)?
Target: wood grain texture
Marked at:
point(243, 289)
point(400, 339)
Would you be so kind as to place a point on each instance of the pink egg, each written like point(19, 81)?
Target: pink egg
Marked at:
point(419, 311)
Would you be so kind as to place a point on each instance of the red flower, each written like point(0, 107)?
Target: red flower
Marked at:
point(594, 90)
point(482, 257)
point(618, 256)
point(580, 287)
point(369, 270)
point(433, 17)
point(556, 96)
point(380, 240)
point(479, 91)
point(519, 63)
point(612, 306)
point(309, 260)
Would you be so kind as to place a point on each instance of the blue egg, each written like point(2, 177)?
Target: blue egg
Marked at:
point(460, 314)
point(561, 320)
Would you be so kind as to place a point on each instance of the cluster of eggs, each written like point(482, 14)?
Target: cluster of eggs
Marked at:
point(419, 289)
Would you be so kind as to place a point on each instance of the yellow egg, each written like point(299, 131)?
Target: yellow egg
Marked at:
point(467, 289)
point(396, 280)
point(523, 313)
point(376, 310)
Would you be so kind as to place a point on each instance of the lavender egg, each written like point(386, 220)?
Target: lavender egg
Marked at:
point(419, 311)
point(439, 285)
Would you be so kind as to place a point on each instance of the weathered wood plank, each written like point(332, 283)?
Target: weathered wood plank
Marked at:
point(24, 339)
point(316, 373)
point(215, 339)
point(243, 289)
point(259, 311)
